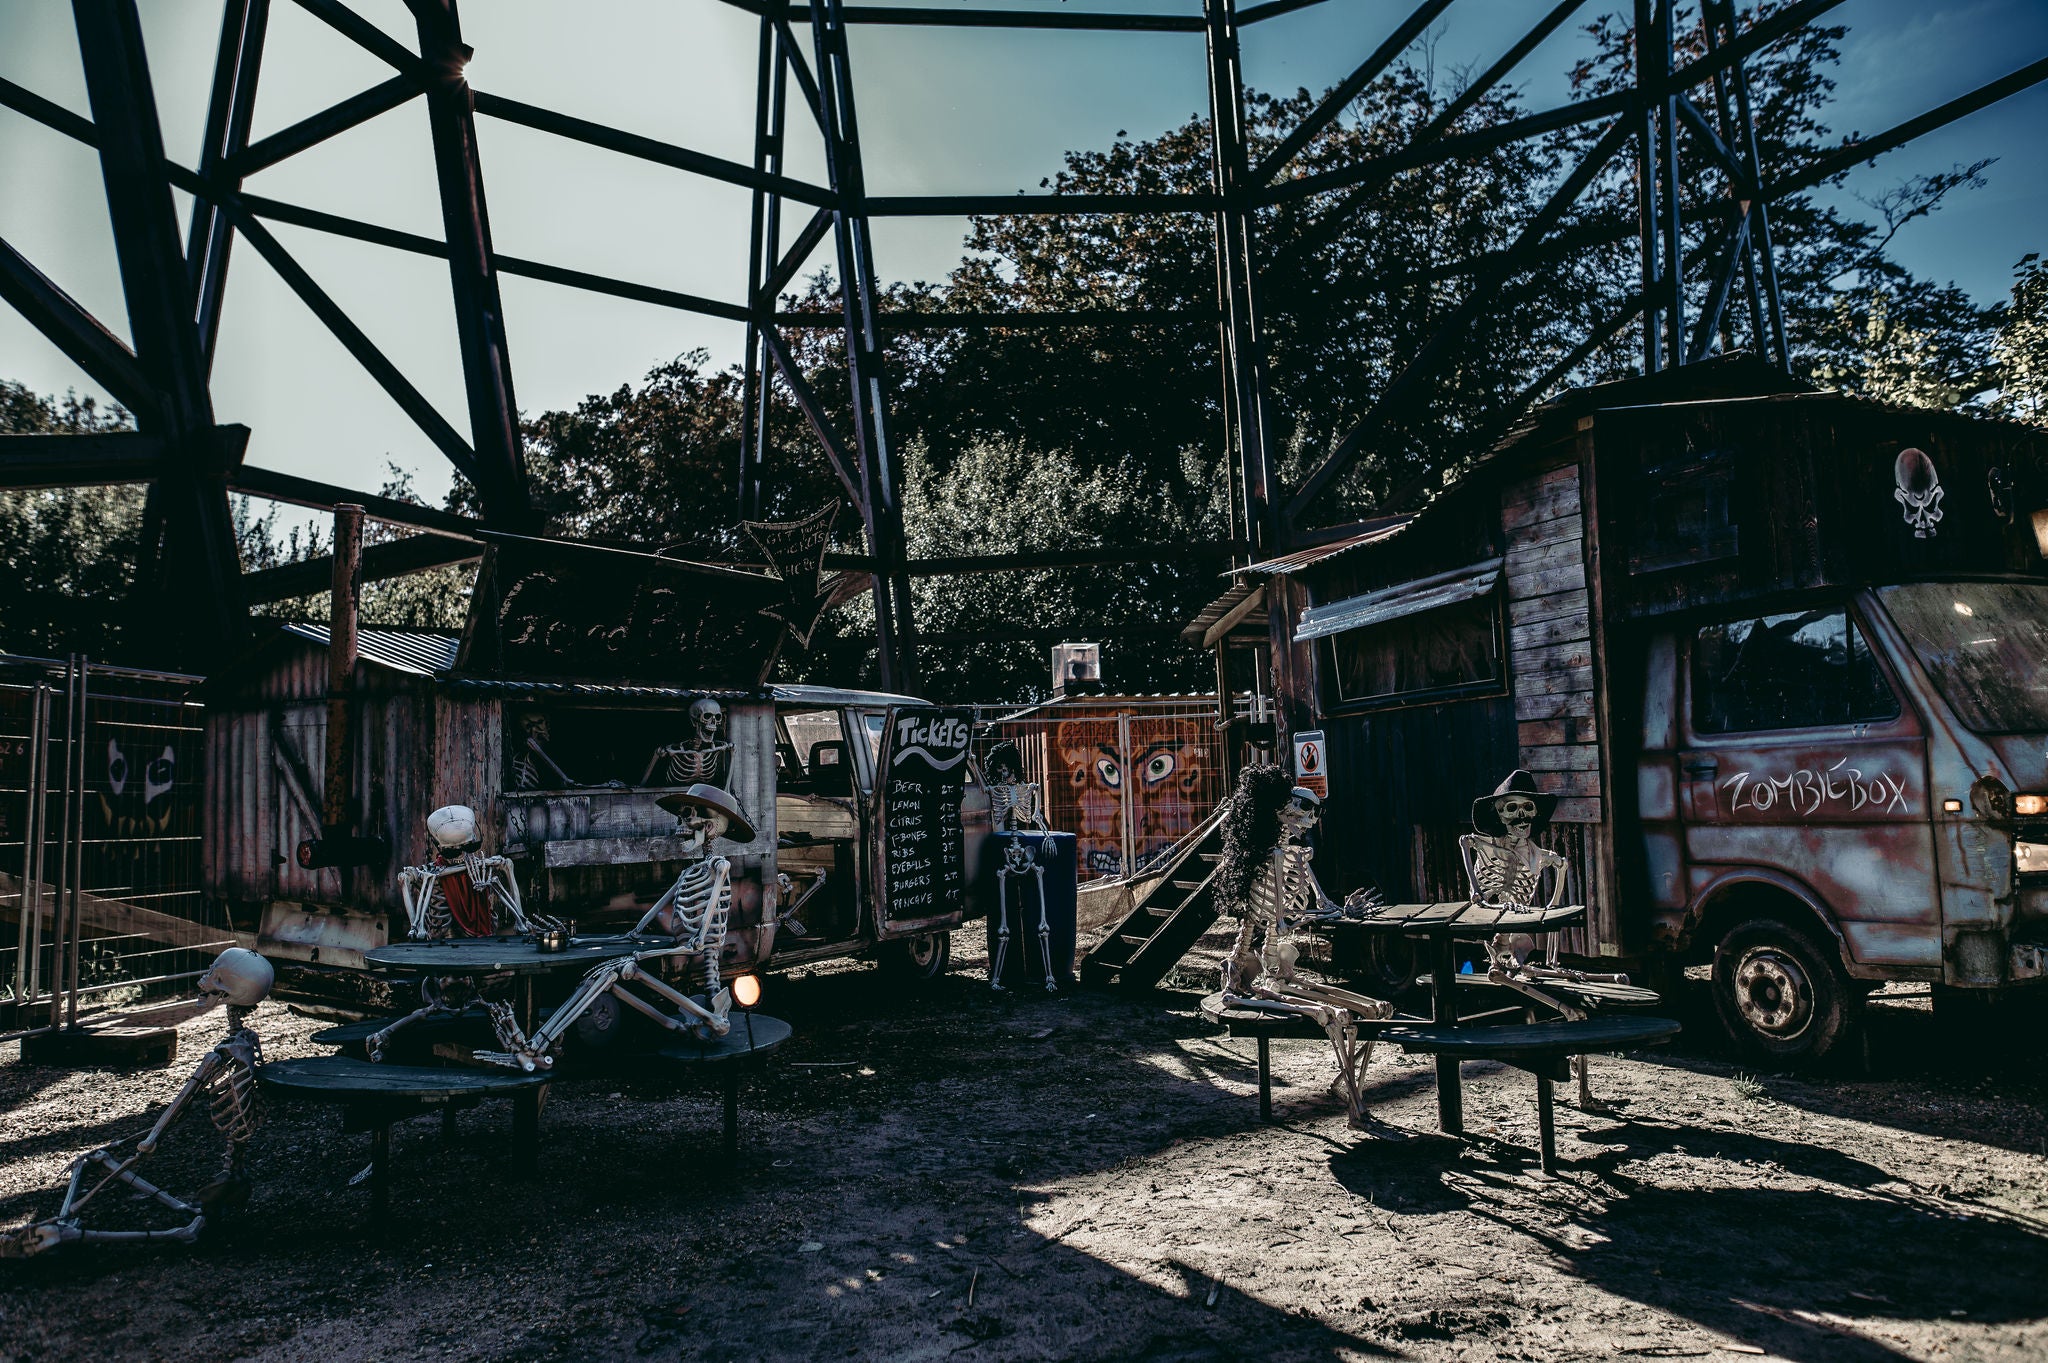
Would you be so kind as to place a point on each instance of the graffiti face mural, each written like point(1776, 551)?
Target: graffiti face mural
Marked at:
point(135, 792)
point(1161, 777)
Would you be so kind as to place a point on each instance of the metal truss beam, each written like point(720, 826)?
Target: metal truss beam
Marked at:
point(189, 537)
point(395, 558)
point(104, 357)
point(209, 239)
point(31, 461)
point(277, 486)
point(500, 471)
point(1348, 89)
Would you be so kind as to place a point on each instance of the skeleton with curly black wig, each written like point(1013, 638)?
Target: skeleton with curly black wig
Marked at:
point(1265, 878)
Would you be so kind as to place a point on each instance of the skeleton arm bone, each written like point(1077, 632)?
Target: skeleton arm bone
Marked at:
point(508, 890)
point(416, 886)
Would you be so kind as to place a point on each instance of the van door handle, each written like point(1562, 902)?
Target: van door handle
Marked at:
point(1702, 769)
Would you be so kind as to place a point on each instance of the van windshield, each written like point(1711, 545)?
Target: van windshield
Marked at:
point(1985, 644)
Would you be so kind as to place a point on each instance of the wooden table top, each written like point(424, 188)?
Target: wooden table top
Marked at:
point(500, 955)
point(1607, 1033)
point(344, 1079)
point(1240, 1021)
point(1458, 918)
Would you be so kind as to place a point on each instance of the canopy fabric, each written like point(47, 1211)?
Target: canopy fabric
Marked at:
point(1406, 598)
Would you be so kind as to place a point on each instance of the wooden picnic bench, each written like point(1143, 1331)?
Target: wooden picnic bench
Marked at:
point(1544, 1049)
point(752, 1037)
point(372, 1097)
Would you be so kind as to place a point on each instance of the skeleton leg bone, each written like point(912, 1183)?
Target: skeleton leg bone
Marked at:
point(1044, 930)
point(995, 969)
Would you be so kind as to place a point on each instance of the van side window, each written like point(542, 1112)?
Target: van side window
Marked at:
point(1803, 670)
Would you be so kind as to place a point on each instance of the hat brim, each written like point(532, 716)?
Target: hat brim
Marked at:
point(718, 802)
point(1486, 811)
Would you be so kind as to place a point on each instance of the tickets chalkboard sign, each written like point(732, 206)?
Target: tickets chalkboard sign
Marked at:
point(924, 771)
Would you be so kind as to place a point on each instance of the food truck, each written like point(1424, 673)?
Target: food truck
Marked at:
point(1782, 656)
point(868, 815)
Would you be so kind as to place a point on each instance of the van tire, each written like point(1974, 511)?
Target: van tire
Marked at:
point(1782, 997)
point(915, 960)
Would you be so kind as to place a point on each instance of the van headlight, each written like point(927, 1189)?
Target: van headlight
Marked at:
point(2031, 858)
point(2030, 804)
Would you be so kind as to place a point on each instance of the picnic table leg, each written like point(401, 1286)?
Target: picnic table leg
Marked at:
point(380, 1173)
point(732, 1111)
point(1265, 1079)
point(1450, 1093)
point(1546, 1124)
point(526, 1132)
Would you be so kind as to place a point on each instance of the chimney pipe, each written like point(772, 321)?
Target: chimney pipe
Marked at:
point(343, 602)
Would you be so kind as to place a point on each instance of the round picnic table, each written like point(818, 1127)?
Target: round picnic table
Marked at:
point(517, 956)
point(752, 1037)
point(374, 1096)
point(1443, 926)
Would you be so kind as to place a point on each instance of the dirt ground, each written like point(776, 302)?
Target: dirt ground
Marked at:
point(1020, 1177)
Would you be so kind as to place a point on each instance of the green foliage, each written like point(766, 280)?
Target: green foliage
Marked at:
point(2021, 351)
point(66, 554)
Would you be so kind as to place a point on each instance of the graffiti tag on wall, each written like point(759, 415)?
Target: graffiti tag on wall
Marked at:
point(1810, 790)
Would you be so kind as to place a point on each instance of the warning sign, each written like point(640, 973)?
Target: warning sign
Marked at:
point(1309, 757)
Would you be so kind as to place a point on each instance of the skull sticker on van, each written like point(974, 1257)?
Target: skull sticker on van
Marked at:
point(1918, 491)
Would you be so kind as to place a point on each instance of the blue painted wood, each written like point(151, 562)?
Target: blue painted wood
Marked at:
point(500, 955)
point(341, 1079)
point(752, 1035)
point(1592, 1036)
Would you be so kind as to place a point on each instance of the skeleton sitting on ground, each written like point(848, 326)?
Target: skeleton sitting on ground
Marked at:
point(224, 1083)
point(1504, 868)
point(691, 916)
point(461, 894)
point(702, 757)
point(1266, 875)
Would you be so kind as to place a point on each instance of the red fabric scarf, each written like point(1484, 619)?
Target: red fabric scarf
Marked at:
point(473, 911)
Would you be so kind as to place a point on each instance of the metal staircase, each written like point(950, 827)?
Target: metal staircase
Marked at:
point(1169, 920)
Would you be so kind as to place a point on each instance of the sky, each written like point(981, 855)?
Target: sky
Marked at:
point(940, 110)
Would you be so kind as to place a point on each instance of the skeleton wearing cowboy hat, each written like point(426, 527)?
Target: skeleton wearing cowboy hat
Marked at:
point(1505, 869)
point(687, 924)
point(1266, 875)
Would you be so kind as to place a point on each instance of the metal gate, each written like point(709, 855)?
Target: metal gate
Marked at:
point(1128, 775)
point(101, 803)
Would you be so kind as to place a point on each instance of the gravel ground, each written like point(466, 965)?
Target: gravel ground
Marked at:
point(961, 1175)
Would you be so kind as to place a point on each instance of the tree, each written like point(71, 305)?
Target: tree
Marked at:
point(2021, 351)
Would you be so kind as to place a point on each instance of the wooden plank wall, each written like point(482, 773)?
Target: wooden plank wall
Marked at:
point(1550, 638)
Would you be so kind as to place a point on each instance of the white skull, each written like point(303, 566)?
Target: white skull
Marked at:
point(707, 717)
point(701, 827)
point(1299, 814)
point(453, 829)
point(1918, 491)
point(1517, 815)
point(239, 977)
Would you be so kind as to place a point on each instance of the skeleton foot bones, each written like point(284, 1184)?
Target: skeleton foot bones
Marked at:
point(224, 1082)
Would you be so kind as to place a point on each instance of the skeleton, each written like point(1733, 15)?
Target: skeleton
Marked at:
point(224, 1083)
point(702, 757)
point(1507, 870)
point(1284, 892)
point(1014, 807)
point(463, 890)
point(691, 916)
point(1918, 491)
point(532, 767)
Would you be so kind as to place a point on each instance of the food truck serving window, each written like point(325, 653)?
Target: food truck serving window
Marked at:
point(1802, 670)
point(1985, 644)
point(1447, 651)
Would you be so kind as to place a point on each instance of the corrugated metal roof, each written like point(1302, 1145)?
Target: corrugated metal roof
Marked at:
point(602, 690)
point(1406, 598)
point(421, 654)
point(1382, 529)
point(1253, 623)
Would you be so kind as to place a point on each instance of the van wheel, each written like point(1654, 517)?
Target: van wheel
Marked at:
point(1781, 996)
point(916, 960)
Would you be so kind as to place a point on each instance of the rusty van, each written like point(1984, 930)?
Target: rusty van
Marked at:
point(1781, 654)
point(564, 744)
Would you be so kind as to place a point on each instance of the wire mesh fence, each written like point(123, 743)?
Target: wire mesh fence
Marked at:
point(101, 802)
point(1127, 775)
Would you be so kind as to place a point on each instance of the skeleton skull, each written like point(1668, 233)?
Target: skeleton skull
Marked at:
point(1298, 816)
point(701, 828)
point(1919, 491)
point(453, 829)
point(238, 977)
point(707, 720)
point(1517, 815)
